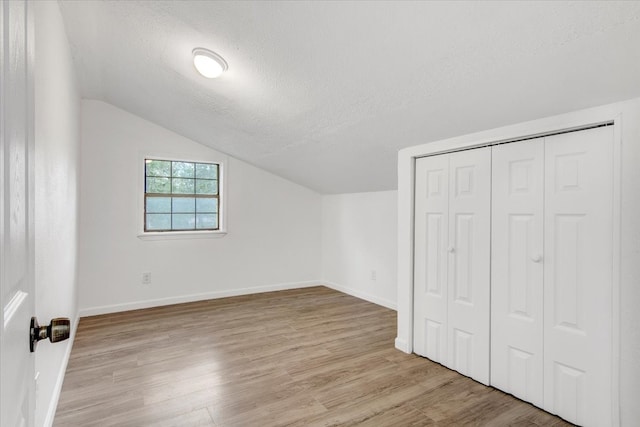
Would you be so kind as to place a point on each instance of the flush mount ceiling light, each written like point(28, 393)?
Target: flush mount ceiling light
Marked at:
point(208, 63)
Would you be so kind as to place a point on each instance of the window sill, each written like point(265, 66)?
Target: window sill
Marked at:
point(174, 235)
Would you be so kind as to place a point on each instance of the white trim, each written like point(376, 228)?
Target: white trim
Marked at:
point(406, 176)
point(406, 182)
point(362, 295)
point(220, 160)
point(57, 389)
point(115, 308)
point(564, 122)
point(176, 235)
point(402, 345)
point(616, 279)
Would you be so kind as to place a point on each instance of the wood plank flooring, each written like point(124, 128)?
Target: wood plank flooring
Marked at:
point(307, 357)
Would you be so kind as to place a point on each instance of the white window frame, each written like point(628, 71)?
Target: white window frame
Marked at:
point(187, 234)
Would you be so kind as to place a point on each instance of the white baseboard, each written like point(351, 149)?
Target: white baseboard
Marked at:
point(402, 345)
point(114, 308)
point(362, 295)
point(53, 403)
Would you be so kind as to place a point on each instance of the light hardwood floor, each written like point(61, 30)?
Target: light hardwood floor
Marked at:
point(308, 357)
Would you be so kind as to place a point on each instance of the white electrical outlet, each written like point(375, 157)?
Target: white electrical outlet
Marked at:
point(146, 278)
point(373, 275)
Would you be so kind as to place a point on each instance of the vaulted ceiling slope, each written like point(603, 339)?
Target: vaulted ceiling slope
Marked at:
point(326, 93)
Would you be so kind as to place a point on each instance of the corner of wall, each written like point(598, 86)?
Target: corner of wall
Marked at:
point(359, 240)
point(367, 296)
point(402, 345)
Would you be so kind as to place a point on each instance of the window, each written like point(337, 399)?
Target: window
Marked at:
point(181, 196)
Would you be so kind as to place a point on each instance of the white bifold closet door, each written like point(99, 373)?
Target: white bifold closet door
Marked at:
point(517, 269)
point(430, 275)
point(552, 255)
point(578, 276)
point(452, 260)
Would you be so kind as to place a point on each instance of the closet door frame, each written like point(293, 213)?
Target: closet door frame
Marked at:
point(606, 115)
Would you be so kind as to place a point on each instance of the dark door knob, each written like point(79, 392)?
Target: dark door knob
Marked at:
point(58, 330)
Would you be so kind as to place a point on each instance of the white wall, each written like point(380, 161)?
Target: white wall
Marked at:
point(56, 197)
point(627, 120)
point(273, 225)
point(359, 236)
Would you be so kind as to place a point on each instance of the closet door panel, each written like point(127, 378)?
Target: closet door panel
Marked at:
point(468, 262)
point(517, 269)
point(578, 276)
point(430, 275)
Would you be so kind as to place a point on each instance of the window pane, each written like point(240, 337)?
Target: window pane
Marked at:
point(209, 171)
point(183, 169)
point(158, 167)
point(206, 186)
point(208, 205)
point(206, 221)
point(184, 221)
point(158, 205)
point(181, 195)
point(184, 204)
point(158, 222)
point(183, 186)
point(158, 185)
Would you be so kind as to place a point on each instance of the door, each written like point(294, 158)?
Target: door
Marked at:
point(578, 275)
point(452, 245)
point(469, 263)
point(517, 269)
point(430, 275)
point(16, 216)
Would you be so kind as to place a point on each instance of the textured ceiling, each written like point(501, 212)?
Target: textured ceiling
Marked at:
point(326, 93)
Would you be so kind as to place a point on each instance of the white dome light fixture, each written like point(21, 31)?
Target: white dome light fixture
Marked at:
point(209, 63)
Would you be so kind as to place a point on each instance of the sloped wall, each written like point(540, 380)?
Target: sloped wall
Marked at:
point(273, 225)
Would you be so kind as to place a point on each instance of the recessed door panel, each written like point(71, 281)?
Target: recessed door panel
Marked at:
point(436, 181)
point(521, 282)
point(434, 240)
point(517, 269)
point(522, 173)
point(568, 295)
point(469, 262)
point(569, 397)
point(435, 340)
point(464, 179)
point(463, 352)
point(522, 372)
point(463, 259)
point(578, 276)
point(430, 265)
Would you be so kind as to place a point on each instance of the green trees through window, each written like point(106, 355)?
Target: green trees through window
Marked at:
point(181, 196)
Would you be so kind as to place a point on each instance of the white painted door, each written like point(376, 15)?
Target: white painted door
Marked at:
point(578, 276)
point(469, 263)
point(517, 269)
point(16, 216)
point(452, 250)
point(430, 275)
